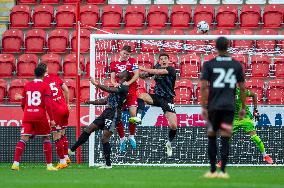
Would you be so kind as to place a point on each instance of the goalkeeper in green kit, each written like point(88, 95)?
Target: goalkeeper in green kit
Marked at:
point(247, 123)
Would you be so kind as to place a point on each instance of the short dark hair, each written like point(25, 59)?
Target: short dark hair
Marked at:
point(164, 54)
point(127, 48)
point(39, 72)
point(43, 65)
point(222, 44)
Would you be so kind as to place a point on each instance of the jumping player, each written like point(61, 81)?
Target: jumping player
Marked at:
point(36, 101)
point(108, 120)
point(165, 77)
point(126, 63)
point(222, 73)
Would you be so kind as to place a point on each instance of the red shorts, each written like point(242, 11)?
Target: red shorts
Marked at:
point(61, 115)
point(36, 128)
point(131, 100)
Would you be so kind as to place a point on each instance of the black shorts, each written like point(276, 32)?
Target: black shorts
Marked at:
point(217, 117)
point(107, 120)
point(167, 104)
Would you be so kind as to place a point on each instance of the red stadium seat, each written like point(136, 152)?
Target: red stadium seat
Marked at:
point(279, 66)
point(26, 65)
point(243, 59)
point(203, 13)
point(7, 65)
point(58, 41)
point(71, 84)
point(84, 41)
point(227, 16)
point(121, 43)
point(84, 90)
point(184, 91)
point(35, 41)
point(175, 45)
point(115, 57)
point(208, 57)
point(50, 1)
point(281, 42)
point(12, 41)
point(31, 2)
point(3, 89)
point(180, 16)
point(197, 46)
point(273, 16)
point(145, 46)
point(218, 32)
point(43, 16)
point(105, 45)
point(256, 86)
point(20, 16)
point(101, 93)
point(70, 64)
point(250, 16)
point(141, 86)
point(89, 15)
point(189, 66)
point(145, 60)
point(275, 91)
point(111, 16)
point(157, 16)
point(265, 45)
point(71, 1)
point(53, 62)
point(135, 16)
point(16, 86)
point(65, 16)
point(101, 66)
point(260, 66)
point(243, 43)
point(198, 93)
point(96, 1)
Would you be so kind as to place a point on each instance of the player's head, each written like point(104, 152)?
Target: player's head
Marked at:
point(125, 53)
point(44, 66)
point(222, 44)
point(164, 60)
point(124, 76)
point(39, 72)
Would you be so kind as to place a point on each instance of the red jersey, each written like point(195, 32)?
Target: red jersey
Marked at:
point(55, 84)
point(130, 65)
point(34, 98)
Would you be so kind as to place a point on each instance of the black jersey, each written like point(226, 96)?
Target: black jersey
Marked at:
point(222, 73)
point(116, 100)
point(165, 84)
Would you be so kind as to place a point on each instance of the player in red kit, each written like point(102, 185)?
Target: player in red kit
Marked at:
point(125, 62)
point(36, 101)
point(60, 99)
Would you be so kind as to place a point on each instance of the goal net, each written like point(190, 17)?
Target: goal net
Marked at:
point(262, 59)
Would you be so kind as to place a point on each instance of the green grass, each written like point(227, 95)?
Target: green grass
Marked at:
point(35, 176)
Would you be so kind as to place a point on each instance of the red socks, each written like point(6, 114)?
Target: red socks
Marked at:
point(19, 150)
point(132, 128)
point(120, 129)
point(65, 144)
point(59, 148)
point(48, 152)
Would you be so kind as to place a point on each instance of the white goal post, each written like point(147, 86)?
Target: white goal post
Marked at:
point(95, 37)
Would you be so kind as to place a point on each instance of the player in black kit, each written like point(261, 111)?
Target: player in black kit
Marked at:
point(165, 77)
point(222, 74)
point(108, 120)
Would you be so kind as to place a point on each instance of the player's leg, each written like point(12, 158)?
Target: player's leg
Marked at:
point(132, 106)
point(59, 146)
point(47, 148)
point(85, 135)
point(20, 147)
point(106, 148)
point(226, 129)
point(120, 132)
point(65, 145)
point(249, 128)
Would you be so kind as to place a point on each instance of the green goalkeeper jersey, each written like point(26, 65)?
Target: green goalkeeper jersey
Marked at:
point(238, 105)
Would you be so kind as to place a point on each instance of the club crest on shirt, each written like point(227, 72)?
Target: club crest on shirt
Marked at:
point(121, 68)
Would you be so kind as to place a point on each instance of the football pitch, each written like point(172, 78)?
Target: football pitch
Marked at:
point(36, 176)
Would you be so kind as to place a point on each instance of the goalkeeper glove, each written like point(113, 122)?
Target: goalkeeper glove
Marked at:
point(256, 114)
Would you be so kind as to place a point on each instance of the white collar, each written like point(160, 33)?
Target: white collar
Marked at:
point(37, 80)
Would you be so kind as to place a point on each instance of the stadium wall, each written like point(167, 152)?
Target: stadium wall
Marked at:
point(190, 147)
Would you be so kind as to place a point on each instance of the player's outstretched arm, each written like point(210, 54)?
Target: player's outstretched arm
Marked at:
point(102, 101)
point(103, 87)
point(154, 71)
point(134, 77)
point(254, 99)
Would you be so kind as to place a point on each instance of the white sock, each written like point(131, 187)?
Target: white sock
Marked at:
point(66, 156)
point(49, 165)
point(122, 139)
point(139, 115)
point(131, 136)
point(16, 163)
point(264, 154)
point(62, 161)
point(169, 142)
